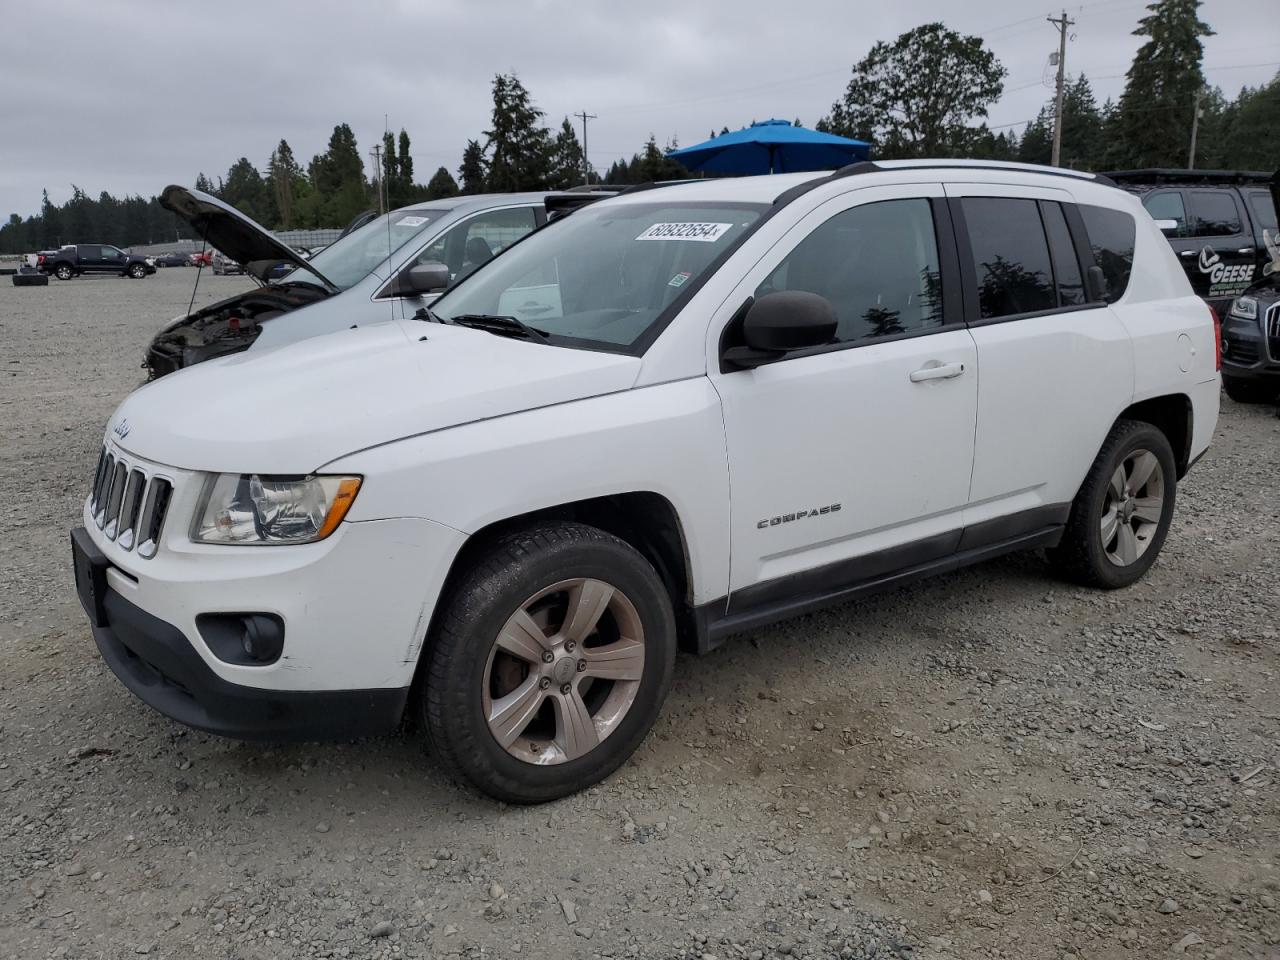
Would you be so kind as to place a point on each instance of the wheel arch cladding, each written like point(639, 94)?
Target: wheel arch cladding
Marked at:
point(647, 521)
point(1172, 415)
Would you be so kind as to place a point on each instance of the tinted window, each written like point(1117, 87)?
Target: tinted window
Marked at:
point(89, 251)
point(111, 253)
point(1213, 213)
point(1010, 256)
point(1263, 209)
point(1066, 266)
point(1167, 205)
point(878, 266)
point(1111, 237)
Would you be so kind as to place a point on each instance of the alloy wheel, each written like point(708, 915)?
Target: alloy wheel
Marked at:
point(1133, 507)
point(564, 671)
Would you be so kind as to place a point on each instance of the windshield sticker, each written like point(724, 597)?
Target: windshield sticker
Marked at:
point(411, 221)
point(679, 279)
point(701, 232)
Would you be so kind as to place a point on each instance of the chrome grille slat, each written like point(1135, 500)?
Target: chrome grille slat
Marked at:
point(1271, 331)
point(100, 511)
point(129, 508)
point(114, 498)
point(153, 517)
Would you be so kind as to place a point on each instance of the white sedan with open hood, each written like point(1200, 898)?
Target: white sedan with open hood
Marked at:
point(387, 269)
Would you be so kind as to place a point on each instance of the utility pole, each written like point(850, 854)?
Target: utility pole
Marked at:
point(586, 164)
point(1061, 23)
point(1195, 129)
point(376, 154)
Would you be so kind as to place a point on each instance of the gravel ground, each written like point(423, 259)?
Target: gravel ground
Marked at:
point(990, 765)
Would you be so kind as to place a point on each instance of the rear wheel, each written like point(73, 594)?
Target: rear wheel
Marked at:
point(1251, 391)
point(549, 663)
point(63, 271)
point(1121, 515)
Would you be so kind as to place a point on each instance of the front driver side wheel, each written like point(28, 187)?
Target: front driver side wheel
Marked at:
point(1121, 516)
point(137, 271)
point(548, 663)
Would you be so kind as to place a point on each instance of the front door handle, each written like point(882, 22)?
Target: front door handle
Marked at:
point(934, 370)
point(1187, 253)
point(1245, 251)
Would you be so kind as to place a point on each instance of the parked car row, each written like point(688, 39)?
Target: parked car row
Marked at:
point(503, 508)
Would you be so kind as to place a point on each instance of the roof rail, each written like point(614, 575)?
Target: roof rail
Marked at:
point(655, 184)
point(869, 166)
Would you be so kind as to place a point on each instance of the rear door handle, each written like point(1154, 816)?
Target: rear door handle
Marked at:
point(933, 370)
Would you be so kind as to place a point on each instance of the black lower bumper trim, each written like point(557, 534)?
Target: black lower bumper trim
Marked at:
point(159, 666)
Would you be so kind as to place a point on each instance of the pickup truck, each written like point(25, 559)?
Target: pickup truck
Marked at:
point(80, 258)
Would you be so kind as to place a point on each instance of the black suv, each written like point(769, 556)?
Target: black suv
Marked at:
point(1214, 220)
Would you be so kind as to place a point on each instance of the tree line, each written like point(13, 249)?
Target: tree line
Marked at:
point(925, 94)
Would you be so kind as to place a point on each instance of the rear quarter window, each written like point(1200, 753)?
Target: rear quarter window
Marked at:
point(1111, 237)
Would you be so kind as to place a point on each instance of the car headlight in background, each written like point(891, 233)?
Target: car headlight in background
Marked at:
point(252, 509)
point(1246, 308)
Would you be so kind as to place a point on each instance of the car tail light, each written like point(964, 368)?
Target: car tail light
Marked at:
point(1217, 338)
point(39, 259)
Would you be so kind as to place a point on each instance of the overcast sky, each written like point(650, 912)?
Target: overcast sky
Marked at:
point(129, 96)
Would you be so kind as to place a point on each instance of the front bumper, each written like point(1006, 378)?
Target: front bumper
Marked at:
point(157, 663)
point(1251, 348)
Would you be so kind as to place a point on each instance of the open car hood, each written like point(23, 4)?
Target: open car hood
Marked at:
point(225, 228)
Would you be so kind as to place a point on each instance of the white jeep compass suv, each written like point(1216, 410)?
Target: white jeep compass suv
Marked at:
point(677, 414)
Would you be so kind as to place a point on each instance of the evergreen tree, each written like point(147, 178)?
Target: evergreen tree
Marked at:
point(1037, 139)
point(1249, 128)
point(388, 176)
point(517, 143)
point(473, 169)
point(245, 190)
point(917, 96)
point(404, 169)
point(1153, 121)
point(1081, 127)
point(440, 186)
point(204, 184)
point(566, 158)
point(339, 189)
point(286, 184)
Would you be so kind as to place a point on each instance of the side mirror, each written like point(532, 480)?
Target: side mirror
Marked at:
point(423, 278)
point(1167, 226)
point(779, 323)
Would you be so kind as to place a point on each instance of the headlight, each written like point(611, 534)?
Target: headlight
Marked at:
point(253, 509)
point(1246, 308)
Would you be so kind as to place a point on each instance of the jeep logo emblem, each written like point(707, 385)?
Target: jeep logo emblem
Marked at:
point(121, 429)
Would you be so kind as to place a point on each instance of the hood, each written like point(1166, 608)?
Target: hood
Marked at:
point(292, 411)
point(225, 228)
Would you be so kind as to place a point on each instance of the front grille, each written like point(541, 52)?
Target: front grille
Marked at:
point(128, 504)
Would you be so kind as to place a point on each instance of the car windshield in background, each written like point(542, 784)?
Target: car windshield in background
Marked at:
point(603, 276)
point(349, 260)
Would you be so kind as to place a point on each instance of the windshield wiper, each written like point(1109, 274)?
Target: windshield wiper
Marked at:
point(502, 326)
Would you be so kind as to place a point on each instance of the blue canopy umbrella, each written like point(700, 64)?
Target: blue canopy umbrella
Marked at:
point(771, 146)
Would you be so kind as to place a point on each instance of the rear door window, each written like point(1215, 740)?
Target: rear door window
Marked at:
point(89, 251)
point(1213, 213)
point(1111, 237)
point(1010, 256)
point(1168, 205)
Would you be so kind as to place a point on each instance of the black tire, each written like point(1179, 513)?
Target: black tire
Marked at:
point(1081, 555)
point(1251, 391)
point(137, 271)
point(63, 271)
point(516, 567)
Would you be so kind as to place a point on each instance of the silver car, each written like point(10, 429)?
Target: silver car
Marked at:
point(387, 269)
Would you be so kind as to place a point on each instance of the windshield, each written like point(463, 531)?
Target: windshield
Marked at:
point(606, 274)
point(349, 260)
